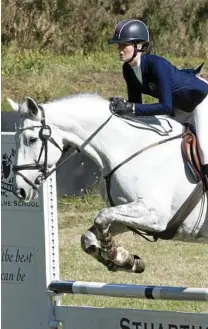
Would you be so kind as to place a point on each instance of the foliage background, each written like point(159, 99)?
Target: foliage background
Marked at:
point(58, 47)
point(77, 26)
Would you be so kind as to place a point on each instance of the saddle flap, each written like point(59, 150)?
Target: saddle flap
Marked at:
point(160, 125)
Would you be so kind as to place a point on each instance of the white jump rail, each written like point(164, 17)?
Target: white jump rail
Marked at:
point(129, 290)
point(31, 286)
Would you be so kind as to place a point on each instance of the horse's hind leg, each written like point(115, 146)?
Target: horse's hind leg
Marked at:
point(135, 214)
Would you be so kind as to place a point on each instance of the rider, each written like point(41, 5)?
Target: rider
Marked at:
point(153, 75)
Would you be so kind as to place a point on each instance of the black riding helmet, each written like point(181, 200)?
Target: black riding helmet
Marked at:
point(134, 31)
point(130, 30)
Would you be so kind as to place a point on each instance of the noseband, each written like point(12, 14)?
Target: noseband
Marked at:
point(45, 137)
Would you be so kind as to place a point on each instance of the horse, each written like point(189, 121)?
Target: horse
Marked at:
point(144, 178)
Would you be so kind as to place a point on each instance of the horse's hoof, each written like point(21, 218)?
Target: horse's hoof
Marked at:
point(112, 267)
point(138, 266)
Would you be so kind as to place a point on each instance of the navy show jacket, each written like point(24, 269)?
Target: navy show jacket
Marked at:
point(173, 87)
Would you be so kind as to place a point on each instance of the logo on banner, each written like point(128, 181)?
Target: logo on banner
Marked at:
point(7, 172)
point(8, 200)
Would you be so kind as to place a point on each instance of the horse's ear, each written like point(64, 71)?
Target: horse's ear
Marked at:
point(15, 106)
point(30, 107)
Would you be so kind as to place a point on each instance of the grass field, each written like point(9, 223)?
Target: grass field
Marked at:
point(167, 263)
point(46, 76)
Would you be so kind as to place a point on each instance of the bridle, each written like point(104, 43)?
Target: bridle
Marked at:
point(45, 137)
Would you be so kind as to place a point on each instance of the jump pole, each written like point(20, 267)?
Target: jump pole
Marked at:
point(129, 290)
point(31, 286)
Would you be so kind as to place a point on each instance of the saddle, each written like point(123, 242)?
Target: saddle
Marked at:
point(190, 151)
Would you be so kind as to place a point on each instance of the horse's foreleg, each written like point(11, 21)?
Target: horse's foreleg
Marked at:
point(110, 255)
point(91, 245)
point(135, 214)
point(120, 259)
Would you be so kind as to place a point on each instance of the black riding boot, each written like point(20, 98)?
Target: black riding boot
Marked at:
point(205, 174)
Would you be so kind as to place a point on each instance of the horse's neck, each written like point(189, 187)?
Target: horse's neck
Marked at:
point(108, 140)
point(99, 138)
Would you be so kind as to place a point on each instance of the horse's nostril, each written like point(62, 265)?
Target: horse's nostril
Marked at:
point(22, 193)
point(19, 192)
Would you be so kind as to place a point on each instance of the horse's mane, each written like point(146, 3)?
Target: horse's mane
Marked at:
point(77, 96)
point(159, 124)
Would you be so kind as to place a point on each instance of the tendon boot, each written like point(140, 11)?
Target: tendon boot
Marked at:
point(205, 175)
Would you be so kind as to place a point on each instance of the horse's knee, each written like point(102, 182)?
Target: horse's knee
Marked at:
point(89, 243)
point(103, 220)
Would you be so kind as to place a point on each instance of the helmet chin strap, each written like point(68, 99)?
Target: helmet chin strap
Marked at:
point(136, 51)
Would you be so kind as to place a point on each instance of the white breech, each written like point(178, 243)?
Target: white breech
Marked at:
point(201, 125)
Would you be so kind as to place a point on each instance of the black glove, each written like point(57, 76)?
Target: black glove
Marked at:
point(120, 105)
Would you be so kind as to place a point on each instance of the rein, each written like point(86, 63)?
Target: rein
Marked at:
point(45, 136)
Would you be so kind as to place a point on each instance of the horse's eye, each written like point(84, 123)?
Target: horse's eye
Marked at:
point(32, 140)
